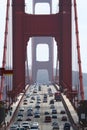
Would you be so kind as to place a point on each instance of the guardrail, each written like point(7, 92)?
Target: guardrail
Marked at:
point(10, 118)
point(74, 125)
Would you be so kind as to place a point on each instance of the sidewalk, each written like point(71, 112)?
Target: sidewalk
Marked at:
point(12, 112)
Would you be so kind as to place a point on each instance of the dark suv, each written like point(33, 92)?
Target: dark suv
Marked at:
point(54, 111)
point(51, 101)
point(67, 126)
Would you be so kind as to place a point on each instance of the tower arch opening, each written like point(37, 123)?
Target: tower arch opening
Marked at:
point(42, 8)
point(42, 52)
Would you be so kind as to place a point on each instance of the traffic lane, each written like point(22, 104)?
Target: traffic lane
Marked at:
point(44, 107)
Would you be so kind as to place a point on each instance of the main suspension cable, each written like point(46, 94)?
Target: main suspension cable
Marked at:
point(78, 52)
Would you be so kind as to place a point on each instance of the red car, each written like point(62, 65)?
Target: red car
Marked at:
point(47, 118)
point(64, 118)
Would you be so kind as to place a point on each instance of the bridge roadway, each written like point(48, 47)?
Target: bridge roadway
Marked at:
point(27, 102)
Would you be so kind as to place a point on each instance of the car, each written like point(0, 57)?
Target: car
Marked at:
point(52, 101)
point(37, 115)
point(27, 95)
point(25, 100)
point(35, 124)
point(54, 123)
point(56, 127)
point(20, 114)
point(54, 111)
point(49, 90)
point(38, 102)
point(29, 114)
point(34, 128)
point(29, 110)
point(38, 97)
point(48, 118)
point(67, 126)
point(20, 128)
point(32, 98)
point(37, 106)
point(57, 96)
point(50, 94)
point(39, 88)
point(25, 103)
point(54, 116)
point(13, 127)
point(35, 91)
point(28, 119)
point(44, 100)
point(26, 126)
point(37, 112)
point(52, 106)
point(46, 113)
point(62, 112)
point(64, 118)
point(31, 101)
point(19, 117)
point(25, 122)
point(45, 95)
point(16, 124)
point(21, 109)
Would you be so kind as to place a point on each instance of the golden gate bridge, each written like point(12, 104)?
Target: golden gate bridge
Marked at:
point(42, 29)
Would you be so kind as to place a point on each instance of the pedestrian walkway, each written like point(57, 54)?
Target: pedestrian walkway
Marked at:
point(71, 109)
point(73, 117)
point(10, 115)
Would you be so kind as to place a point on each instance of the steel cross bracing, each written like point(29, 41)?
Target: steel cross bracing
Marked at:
point(42, 65)
point(39, 25)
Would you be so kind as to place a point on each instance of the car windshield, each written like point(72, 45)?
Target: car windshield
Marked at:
point(25, 123)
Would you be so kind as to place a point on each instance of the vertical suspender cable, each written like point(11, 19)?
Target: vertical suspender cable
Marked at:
point(28, 78)
point(56, 77)
point(5, 46)
point(78, 52)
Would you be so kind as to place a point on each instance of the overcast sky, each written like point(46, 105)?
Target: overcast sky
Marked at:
point(82, 18)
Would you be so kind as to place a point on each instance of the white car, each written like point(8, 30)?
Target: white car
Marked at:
point(20, 117)
point(26, 125)
point(35, 124)
point(21, 109)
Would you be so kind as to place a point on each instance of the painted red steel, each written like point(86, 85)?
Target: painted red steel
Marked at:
point(39, 25)
point(65, 46)
point(5, 48)
point(3, 71)
point(57, 25)
point(78, 51)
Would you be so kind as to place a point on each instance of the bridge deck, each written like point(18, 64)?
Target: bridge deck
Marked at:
point(43, 107)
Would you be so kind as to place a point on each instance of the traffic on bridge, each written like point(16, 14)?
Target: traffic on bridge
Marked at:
point(39, 110)
point(35, 94)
